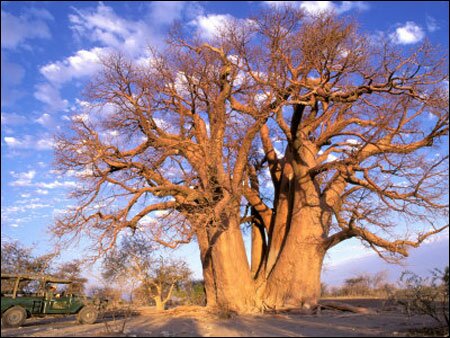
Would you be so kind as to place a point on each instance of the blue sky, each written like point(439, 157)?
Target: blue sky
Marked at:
point(50, 49)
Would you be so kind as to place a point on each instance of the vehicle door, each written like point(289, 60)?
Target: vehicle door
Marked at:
point(57, 304)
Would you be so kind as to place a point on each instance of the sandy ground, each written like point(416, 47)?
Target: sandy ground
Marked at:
point(196, 322)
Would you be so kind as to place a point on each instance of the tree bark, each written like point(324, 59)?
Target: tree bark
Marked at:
point(160, 305)
point(294, 280)
point(207, 269)
point(259, 248)
point(234, 284)
point(283, 207)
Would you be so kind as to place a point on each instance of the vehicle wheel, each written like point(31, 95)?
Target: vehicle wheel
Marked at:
point(14, 317)
point(87, 315)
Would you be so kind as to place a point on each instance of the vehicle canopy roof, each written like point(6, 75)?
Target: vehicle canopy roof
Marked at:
point(43, 278)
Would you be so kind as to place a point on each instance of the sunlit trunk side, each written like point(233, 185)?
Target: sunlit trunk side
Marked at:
point(233, 280)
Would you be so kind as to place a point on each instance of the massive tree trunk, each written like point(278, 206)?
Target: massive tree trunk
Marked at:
point(283, 207)
point(294, 280)
point(293, 277)
point(228, 280)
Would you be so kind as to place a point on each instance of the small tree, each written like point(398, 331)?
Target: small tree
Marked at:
point(154, 278)
point(17, 258)
point(359, 285)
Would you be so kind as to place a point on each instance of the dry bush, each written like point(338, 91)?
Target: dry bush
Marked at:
point(120, 316)
point(425, 295)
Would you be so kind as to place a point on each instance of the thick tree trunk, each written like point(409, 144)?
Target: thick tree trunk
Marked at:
point(283, 208)
point(294, 280)
point(228, 280)
point(234, 284)
point(208, 275)
point(160, 305)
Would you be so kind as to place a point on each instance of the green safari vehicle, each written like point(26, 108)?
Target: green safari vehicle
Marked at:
point(19, 301)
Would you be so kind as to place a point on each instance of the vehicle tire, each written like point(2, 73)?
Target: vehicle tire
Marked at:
point(14, 317)
point(88, 315)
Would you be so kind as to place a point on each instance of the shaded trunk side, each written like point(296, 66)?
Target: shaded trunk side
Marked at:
point(208, 275)
point(283, 206)
point(259, 248)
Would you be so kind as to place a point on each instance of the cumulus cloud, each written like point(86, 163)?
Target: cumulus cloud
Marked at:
point(29, 142)
point(209, 25)
point(104, 26)
point(317, 7)
point(23, 179)
point(409, 33)
point(83, 63)
point(17, 29)
point(50, 95)
point(314, 7)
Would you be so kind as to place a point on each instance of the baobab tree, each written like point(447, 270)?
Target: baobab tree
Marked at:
point(302, 127)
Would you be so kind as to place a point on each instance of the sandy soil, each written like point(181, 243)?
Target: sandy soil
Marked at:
point(196, 322)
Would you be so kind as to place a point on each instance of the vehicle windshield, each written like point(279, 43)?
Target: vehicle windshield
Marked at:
point(38, 286)
point(26, 287)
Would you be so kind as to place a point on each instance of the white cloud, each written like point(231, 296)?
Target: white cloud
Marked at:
point(83, 63)
point(41, 191)
point(47, 121)
point(30, 142)
point(331, 158)
point(104, 26)
point(278, 4)
point(353, 141)
point(209, 25)
point(100, 25)
point(50, 95)
point(432, 24)
point(23, 179)
point(56, 184)
point(346, 6)
point(317, 7)
point(22, 208)
point(13, 119)
point(409, 33)
point(165, 12)
point(17, 29)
